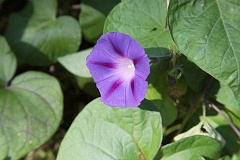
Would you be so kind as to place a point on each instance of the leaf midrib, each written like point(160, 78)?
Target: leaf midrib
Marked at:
point(118, 126)
point(227, 34)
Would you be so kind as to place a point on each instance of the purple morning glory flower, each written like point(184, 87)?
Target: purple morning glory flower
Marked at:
point(119, 67)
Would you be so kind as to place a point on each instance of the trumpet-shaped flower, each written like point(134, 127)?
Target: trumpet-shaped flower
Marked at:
point(119, 67)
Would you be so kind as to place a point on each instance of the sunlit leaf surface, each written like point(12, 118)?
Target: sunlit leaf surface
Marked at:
point(104, 132)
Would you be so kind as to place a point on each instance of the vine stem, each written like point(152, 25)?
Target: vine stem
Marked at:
point(171, 129)
point(196, 104)
point(226, 118)
point(174, 55)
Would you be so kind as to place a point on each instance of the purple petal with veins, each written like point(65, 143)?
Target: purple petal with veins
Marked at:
point(119, 67)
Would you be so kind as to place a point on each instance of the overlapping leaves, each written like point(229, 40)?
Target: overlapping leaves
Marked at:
point(30, 107)
point(38, 37)
point(207, 32)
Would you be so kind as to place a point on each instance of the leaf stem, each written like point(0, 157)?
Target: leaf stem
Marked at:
point(204, 112)
point(172, 129)
point(226, 118)
point(196, 104)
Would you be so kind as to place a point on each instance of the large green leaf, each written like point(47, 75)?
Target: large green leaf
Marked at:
point(102, 132)
point(38, 37)
point(207, 32)
point(76, 63)
point(144, 20)
point(191, 148)
point(31, 111)
point(7, 62)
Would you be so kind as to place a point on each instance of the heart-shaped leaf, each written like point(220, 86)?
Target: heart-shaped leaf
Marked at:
point(38, 37)
point(207, 32)
point(31, 111)
point(103, 132)
point(194, 146)
point(144, 20)
point(7, 62)
point(30, 107)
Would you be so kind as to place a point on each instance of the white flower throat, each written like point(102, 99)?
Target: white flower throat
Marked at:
point(127, 68)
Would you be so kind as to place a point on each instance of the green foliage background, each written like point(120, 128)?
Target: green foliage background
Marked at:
point(48, 97)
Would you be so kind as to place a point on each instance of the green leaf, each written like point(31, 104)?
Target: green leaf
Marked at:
point(225, 130)
point(164, 104)
point(144, 20)
point(207, 32)
point(226, 97)
point(159, 67)
point(102, 132)
point(31, 111)
point(202, 128)
point(231, 109)
point(157, 93)
point(76, 63)
point(236, 156)
point(194, 146)
point(7, 62)
point(91, 22)
point(38, 37)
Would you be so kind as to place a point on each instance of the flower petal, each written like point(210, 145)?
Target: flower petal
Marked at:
point(112, 91)
point(142, 68)
point(117, 92)
point(119, 66)
point(136, 91)
point(135, 51)
point(101, 71)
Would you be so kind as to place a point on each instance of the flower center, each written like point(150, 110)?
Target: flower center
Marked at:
point(127, 68)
